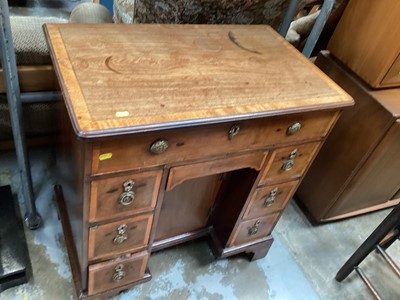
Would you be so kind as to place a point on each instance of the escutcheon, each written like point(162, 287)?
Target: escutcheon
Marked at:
point(234, 131)
point(271, 198)
point(288, 165)
point(254, 229)
point(294, 128)
point(119, 274)
point(159, 146)
point(121, 236)
point(128, 195)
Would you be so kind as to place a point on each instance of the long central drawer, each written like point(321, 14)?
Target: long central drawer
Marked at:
point(153, 149)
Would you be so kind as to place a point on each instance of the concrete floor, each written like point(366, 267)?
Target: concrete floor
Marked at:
point(301, 264)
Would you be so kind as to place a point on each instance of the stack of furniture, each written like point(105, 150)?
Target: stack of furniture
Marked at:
point(35, 72)
point(277, 14)
point(28, 78)
point(201, 11)
point(356, 170)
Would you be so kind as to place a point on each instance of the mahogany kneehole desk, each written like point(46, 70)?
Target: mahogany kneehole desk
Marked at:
point(175, 132)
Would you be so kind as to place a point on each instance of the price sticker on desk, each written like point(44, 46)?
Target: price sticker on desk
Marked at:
point(105, 156)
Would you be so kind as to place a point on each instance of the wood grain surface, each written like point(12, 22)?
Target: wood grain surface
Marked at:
point(131, 78)
point(101, 274)
point(101, 238)
point(367, 40)
point(257, 206)
point(275, 172)
point(33, 78)
point(356, 169)
point(177, 175)
point(377, 182)
point(132, 151)
point(106, 194)
point(242, 234)
point(389, 99)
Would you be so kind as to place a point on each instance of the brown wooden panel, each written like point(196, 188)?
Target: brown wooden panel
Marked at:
point(275, 171)
point(392, 77)
point(377, 181)
point(352, 41)
point(104, 276)
point(34, 78)
point(389, 99)
point(73, 159)
point(261, 203)
point(186, 208)
point(234, 192)
point(225, 70)
point(397, 194)
point(106, 193)
point(243, 233)
point(207, 141)
point(356, 134)
point(101, 237)
point(180, 174)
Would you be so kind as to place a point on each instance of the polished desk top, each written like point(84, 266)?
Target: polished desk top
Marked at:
point(133, 78)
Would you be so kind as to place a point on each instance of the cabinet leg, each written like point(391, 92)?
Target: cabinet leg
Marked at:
point(260, 250)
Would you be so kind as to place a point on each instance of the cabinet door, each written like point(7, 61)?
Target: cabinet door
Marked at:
point(377, 181)
point(192, 189)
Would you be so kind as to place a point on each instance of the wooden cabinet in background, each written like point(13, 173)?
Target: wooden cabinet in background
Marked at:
point(357, 169)
point(367, 40)
point(177, 132)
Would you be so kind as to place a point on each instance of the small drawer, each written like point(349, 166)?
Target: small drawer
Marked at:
point(269, 199)
point(127, 235)
point(288, 163)
point(254, 229)
point(177, 145)
point(121, 196)
point(116, 273)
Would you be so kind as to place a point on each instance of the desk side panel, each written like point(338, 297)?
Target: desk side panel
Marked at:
point(71, 161)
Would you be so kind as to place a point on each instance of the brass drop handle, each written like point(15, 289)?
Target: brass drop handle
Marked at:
point(271, 198)
point(254, 229)
point(159, 146)
point(128, 195)
point(288, 165)
point(294, 128)
point(121, 236)
point(234, 131)
point(119, 274)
